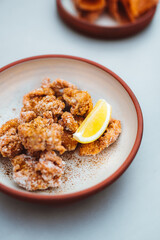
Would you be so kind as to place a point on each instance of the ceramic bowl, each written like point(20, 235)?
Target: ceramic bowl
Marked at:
point(84, 175)
point(105, 26)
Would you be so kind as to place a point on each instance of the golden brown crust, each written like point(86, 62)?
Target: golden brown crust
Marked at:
point(35, 174)
point(68, 142)
point(40, 135)
point(10, 143)
point(79, 119)
point(27, 116)
point(79, 101)
point(37, 105)
point(52, 118)
point(49, 103)
point(70, 126)
point(110, 136)
point(36, 102)
point(68, 122)
point(59, 85)
point(46, 83)
point(32, 98)
point(13, 123)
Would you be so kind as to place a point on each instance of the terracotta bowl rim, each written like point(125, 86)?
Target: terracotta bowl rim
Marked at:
point(91, 190)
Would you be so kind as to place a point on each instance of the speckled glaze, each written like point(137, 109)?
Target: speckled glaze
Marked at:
point(108, 31)
point(84, 175)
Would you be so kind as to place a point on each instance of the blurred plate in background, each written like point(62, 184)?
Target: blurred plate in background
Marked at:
point(105, 26)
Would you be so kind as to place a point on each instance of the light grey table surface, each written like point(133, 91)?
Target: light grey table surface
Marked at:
point(130, 208)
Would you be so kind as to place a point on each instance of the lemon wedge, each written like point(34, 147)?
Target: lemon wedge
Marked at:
point(95, 123)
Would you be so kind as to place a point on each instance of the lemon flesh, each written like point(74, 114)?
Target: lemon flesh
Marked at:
point(95, 123)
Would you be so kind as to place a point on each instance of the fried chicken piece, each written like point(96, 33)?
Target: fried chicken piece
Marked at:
point(43, 100)
point(68, 122)
point(27, 116)
point(70, 126)
point(46, 83)
point(68, 142)
point(33, 154)
point(110, 136)
point(79, 101)
point(79, 119)
point(59, 85)
point(37, 174)
point(31, 99)
point(49, 115)
point(40, 135)
point(37, 105)
point(10, 143)
point(49, 103)
point(135, 8)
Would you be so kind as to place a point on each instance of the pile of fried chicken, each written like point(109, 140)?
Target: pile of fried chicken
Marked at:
point(119, 9)
point(44, 130)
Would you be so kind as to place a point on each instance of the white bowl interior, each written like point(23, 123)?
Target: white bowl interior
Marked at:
point(81, 172)
point(104, 20)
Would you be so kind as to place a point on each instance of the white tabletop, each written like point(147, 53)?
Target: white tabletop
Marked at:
point(130, 208)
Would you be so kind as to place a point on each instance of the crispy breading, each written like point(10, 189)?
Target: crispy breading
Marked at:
point(10, 143)
point(49, 115)
point(13, 123)
point(70, 126)
point(37, 174)
point(68, 142)
point(41, 135)
point(79, 119)
point(38, 103)
point(31, 99)
point(27, 116)
point(49, 103)
point(46, 83)
point(59, 85)
point(68, 122)
point(109, 137)
point(79, 101)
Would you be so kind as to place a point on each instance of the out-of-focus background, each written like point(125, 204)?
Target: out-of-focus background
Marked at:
point(130, 208)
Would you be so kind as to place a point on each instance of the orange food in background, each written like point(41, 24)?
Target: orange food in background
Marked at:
point(119, 9)
point(90, 10)
point(90, 5)
point(135, 8)
point(113, 9)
